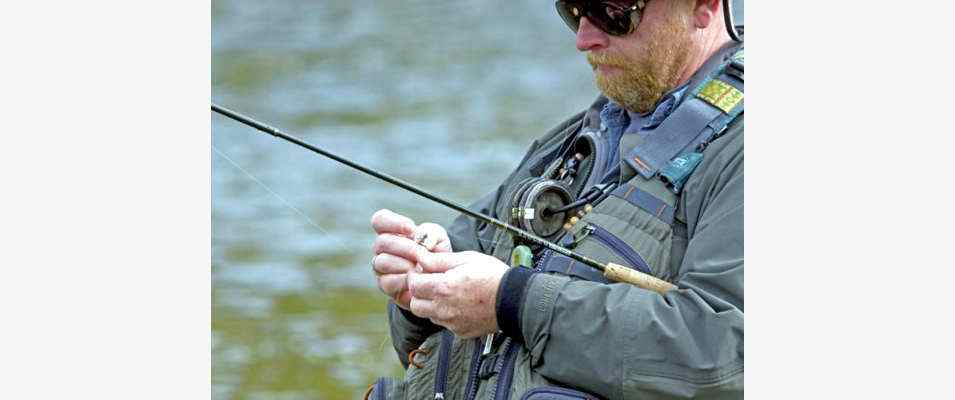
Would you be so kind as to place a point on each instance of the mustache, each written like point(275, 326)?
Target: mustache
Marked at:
point(612, 60)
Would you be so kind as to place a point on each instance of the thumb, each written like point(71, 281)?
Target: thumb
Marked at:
point(440, 262)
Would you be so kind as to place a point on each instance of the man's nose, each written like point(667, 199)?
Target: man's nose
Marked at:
point(589, 37)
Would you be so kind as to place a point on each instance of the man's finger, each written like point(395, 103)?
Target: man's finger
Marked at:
point(403, 300)
point(423, 308)
point(391, 285)
point(398, 246)
point(441, 262)
point(386, 263)
point(426, 286)
point(386, 221)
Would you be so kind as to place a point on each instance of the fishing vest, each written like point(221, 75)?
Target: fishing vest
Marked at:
point(638, 224)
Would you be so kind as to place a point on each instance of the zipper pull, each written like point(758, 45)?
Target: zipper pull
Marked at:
point(488, 343)
point(580, 236)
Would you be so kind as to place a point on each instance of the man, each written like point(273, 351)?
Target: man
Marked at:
point(659, 158)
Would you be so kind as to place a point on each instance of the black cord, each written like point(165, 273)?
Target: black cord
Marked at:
point(595, 194)
point(730, 23)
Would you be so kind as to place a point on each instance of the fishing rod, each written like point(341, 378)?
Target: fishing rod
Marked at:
point(611, 271)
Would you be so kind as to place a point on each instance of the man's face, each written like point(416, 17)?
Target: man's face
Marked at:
point(637, 69)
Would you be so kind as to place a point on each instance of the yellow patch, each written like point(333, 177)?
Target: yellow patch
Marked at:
point(721, 95)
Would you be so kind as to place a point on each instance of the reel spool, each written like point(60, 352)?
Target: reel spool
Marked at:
point(531, 199)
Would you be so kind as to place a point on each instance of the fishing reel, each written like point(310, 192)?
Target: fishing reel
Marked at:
point(532, 203)
point(545, 205)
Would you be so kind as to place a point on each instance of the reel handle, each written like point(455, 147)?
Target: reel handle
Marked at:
point(619, 273)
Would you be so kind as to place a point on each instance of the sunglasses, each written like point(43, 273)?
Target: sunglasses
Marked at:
point(612, 17)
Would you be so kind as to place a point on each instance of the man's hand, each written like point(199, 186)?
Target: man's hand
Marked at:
point(457, 291)
point(396, 251)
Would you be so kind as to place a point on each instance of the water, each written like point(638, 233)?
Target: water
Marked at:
point(446, 95)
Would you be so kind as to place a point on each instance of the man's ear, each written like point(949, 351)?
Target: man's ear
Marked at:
point(704, 13)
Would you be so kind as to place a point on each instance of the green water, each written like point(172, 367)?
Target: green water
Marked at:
point(444, 94)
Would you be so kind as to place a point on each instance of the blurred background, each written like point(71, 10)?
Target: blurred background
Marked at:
point(444, 94)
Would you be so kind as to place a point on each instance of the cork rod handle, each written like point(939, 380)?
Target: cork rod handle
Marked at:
point(619, 273)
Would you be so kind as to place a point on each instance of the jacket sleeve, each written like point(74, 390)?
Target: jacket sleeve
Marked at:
point(620, 341)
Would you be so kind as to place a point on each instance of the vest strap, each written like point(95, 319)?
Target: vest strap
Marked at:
point(646, 201)
point(711, 106)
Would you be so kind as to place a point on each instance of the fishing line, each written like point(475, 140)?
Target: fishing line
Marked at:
point(341, 245)
point(338, 243)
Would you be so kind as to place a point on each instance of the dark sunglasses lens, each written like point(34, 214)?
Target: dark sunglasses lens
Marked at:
point(608, 16)
point(570, 13)
point(613, 18)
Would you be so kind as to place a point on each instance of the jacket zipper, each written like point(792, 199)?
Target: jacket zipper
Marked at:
point(505, 376)
point(472, 385)
point(581, 236)
point(441, 378)
point(547, 254)
point(499, 365)
point(620, 247)
point(542, 260)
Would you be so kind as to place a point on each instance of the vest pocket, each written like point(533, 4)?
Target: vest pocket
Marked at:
point(436, 368)
point(619, 247)
point(618, 231)
point(556, 393)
